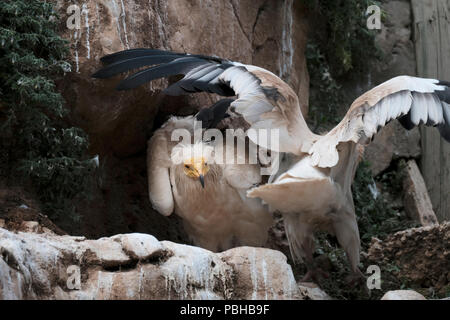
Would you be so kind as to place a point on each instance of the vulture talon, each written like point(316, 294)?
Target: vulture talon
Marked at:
point(315, 275)
point(355, 279)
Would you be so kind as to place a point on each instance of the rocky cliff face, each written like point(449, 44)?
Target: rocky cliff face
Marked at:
point(396, 44)
point(268, 33)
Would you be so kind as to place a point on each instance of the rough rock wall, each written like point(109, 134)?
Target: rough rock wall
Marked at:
point(421, 255)
point(396, 44)
point(268, 33)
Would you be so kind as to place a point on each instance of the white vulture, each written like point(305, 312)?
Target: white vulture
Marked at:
point(312, 188)
point(210, 197)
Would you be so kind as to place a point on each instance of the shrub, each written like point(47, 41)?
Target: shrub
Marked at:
point(37, 144)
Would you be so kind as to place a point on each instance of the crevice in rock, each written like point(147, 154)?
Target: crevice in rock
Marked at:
point(236, 14)
point(157, 259)
point(9, 259)
point(258, 14)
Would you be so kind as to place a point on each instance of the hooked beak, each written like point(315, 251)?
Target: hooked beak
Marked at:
point(202, 180)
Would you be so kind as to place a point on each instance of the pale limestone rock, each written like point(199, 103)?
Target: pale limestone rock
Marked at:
point(107, 252)
point(262, 274)
point(136, 266)
point(402, 295)
point(139, 246)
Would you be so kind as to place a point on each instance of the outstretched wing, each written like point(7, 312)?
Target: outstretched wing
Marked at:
point(264, 100)
point(412, 100)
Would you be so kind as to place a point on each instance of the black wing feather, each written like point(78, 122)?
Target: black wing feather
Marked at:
point(444, 126)
point(201, 72)
point(406, 122)
point(445, 94)
point(212, 115)
point(134, 53)
point(133, 63)
point(178, 66)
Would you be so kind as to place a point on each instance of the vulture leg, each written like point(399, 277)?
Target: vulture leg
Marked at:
point(314, 274)
point(346, 231)
point(300, 236)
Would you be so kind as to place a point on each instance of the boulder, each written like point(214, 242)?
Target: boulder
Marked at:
point(392, 142)
point(263, 274)
point(403, 295)
point(139, 246)
point(415, 198)
point(137, 266)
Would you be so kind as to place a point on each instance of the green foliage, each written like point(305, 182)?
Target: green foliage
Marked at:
point(325, 94)
point(340, 46)
point(344, 39)
point(37, 145)
point(377, 216)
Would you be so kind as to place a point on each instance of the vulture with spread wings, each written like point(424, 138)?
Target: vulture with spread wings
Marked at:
point(312, 188)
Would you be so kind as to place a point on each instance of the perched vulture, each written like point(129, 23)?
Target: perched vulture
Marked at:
point(312, 188)
point(210, 197)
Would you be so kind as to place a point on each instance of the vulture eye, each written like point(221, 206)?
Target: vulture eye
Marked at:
point(186, 166)
point(206, 163)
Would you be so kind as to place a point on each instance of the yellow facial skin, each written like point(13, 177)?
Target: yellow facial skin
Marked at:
point(196, 168)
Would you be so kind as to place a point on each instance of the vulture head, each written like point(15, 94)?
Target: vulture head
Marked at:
point(196, 160)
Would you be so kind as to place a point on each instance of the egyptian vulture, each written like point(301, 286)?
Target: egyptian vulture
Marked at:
point(312, 188)
point(209, 196)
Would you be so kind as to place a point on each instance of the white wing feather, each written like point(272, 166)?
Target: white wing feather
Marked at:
point(411, 97)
